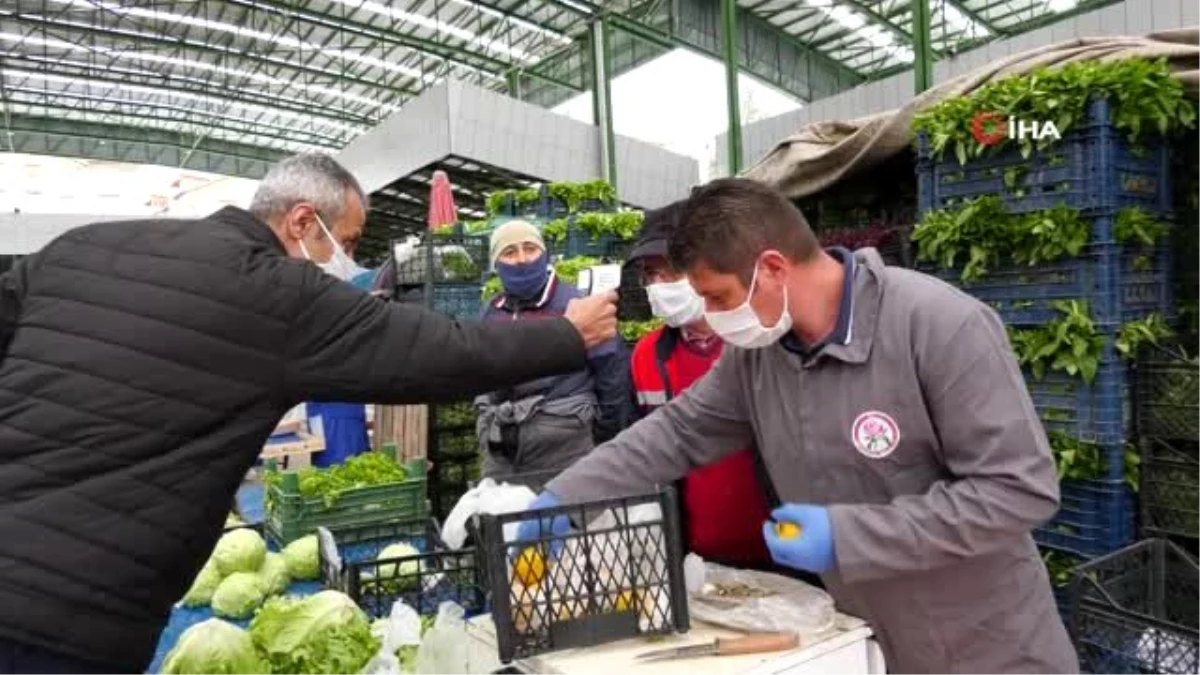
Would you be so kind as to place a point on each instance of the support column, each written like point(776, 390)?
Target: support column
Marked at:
point(922, 49)
point(514, 83)
point(602, 98)
point(730, 52)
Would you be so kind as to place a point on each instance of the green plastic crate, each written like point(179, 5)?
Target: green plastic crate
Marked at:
point(291, 516)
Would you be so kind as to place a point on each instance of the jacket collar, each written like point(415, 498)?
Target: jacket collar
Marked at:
point(868, 296)
point(249, 225)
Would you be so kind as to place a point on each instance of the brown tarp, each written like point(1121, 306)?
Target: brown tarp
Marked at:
point(823, 153)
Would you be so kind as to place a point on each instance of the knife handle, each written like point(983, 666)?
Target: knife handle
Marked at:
point(758, 643)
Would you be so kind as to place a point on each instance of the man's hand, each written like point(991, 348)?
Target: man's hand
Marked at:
point(811, 549)
point(595, 317)
point(538, 531)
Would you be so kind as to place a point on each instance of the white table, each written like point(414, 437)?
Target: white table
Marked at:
point(846, 650)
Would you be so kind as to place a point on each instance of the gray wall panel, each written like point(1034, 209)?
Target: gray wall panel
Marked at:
point(1112, 19)
point(467, 121)
point(1063, 31)
point(412, 138)
point(1138, 18)
point(1189, 13)
point(1166, 14)
point(1089, 24)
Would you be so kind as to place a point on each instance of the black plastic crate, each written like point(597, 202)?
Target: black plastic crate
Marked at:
point(453, 416)
point(441, 258)
point(460, 301)
point(534, 480)
point(449, 480)
point(422, 581)
point(452, 443)
point(611, 580)
point(1170, 488)
point(1135, 611)
point(1168, 396)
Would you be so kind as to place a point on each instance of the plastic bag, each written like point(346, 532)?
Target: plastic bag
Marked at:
point(693, 573)
point(444, 649)
point(753, 602)
point(402, 628)
point(487, 497)
point(1162, 651)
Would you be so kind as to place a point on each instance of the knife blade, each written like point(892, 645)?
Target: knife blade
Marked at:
point(749, 644)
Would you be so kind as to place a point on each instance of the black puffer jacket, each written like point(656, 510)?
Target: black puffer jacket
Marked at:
point(146, 364)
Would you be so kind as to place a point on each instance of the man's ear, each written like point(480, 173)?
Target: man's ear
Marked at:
point(775, 264)
point(299, 220)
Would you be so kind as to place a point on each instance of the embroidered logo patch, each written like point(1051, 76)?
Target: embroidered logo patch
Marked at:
point(875, 434)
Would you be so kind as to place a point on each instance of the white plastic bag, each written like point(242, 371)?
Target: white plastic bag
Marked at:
point(1162, 651)
point(487, 497)
point(402, 628)
point(693, 573)
point(444, 649)
point(755, 602)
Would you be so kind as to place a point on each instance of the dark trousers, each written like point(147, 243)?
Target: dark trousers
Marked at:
point(16, 657)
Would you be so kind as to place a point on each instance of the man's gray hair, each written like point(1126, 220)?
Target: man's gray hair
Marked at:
point(308, 177)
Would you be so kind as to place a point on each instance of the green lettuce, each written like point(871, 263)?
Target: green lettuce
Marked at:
point(273, 575)
point(239, 551)
point(203, 586)
point(238, 595)
point(303, 558)
point(216, 647)
point(323, 633)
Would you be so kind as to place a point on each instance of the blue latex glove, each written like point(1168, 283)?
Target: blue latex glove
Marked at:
point(812, 551)
point(532, 530)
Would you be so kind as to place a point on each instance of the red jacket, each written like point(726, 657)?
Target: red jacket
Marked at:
point(724, 503)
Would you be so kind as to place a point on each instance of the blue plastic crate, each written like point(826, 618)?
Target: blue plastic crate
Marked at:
point(580, 242)
point(596, 206)
point(1092, 167)
point(1119, 284)
point(1095, 412)
point(550, 208)
point(1094, 518)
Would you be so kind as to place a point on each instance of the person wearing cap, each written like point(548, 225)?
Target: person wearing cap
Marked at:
point(725, 503)
point(544, 425)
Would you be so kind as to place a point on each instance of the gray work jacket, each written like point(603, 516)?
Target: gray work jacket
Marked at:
point(920, 437)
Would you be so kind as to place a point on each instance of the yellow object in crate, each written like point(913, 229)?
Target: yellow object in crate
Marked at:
point(530, 568)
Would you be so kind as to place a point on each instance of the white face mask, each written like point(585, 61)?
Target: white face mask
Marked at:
point(339, 264)
point(676, 302)
point(741, 326)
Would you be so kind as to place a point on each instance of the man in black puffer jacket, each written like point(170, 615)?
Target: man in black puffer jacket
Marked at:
point(146, 363)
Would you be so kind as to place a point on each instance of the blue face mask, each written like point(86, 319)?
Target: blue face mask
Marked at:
point(526, 280)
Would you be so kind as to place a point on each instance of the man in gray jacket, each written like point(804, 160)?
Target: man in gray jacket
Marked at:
point(892, 419)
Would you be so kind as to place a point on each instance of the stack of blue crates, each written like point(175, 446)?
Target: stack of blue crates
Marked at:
point(1093, 169)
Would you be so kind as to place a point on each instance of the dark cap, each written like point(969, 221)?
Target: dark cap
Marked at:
point(656, 229)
